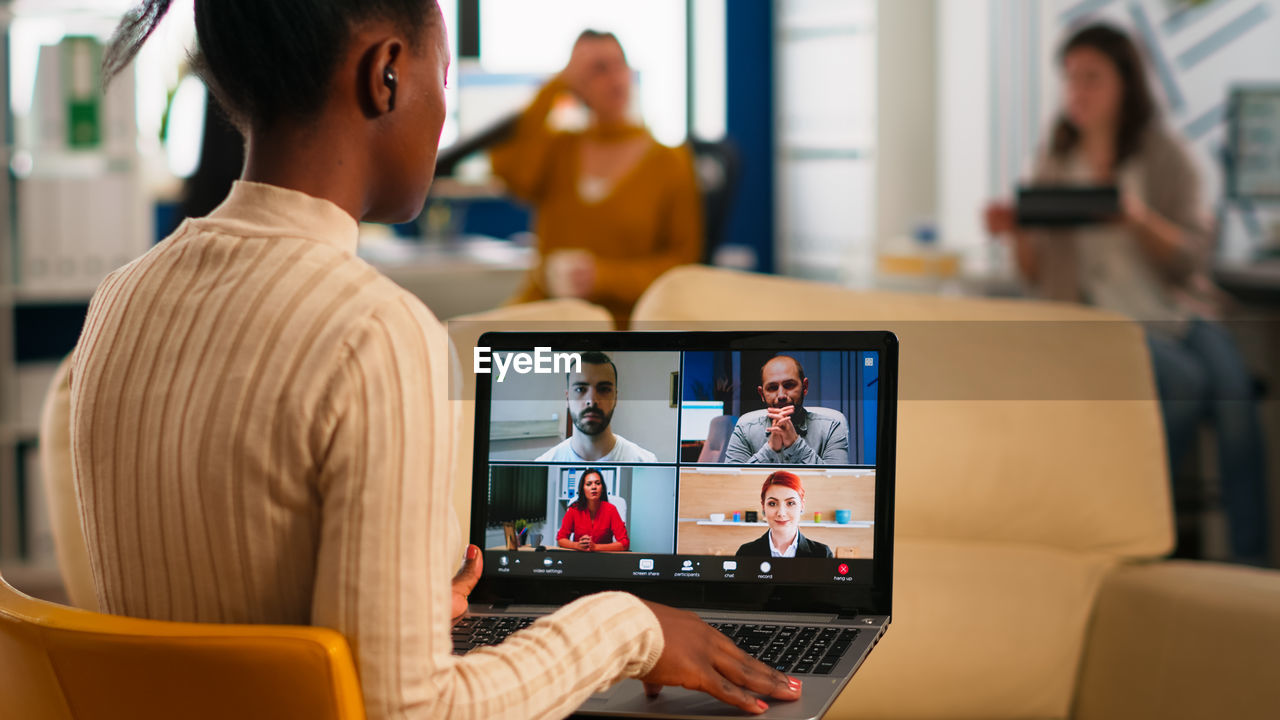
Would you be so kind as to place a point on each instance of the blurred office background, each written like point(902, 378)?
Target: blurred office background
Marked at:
point(848, 141)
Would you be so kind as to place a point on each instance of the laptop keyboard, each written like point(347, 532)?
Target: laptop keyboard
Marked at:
point(792, 648)
point(788, 648)
point(472, 632)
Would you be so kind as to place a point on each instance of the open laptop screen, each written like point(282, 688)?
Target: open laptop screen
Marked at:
point(692, 464)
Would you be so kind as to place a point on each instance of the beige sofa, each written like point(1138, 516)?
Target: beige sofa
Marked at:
point(1032, 513)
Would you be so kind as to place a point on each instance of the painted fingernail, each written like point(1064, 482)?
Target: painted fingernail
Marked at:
point(793, 683)
point(472, 552)
point(762, 704)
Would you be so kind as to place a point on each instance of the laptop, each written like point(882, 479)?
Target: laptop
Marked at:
point(678, 424)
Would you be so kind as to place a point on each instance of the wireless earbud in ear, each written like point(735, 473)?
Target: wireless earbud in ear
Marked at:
point(389, 79)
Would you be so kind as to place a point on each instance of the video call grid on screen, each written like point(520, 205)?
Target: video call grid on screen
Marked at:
point(692, 407)
point(691, 453)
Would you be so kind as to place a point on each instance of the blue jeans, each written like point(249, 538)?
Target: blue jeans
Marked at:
point(1201, 376)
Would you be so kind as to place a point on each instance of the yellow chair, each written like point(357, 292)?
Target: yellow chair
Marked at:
point(59, 663)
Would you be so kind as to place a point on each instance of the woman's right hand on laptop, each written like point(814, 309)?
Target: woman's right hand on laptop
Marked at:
point(699, 657)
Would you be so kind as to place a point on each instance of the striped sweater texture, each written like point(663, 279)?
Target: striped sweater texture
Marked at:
point(261, 433)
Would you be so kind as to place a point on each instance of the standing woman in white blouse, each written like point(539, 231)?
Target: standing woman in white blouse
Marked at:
point(260, 422)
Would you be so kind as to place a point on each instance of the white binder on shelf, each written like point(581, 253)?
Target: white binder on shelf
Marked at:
point(119, 117)
point(76, 226)
point(106, 210)
point(48, 105)
point(38, 231)
point(39, 207)
point(121, 231)
point(8, 273)
point(82, 207)
point(143, 226)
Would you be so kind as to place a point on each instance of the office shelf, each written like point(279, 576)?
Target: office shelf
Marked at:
point(825, 153)
point(86, 208)
point(837, 31)
point(52, 296)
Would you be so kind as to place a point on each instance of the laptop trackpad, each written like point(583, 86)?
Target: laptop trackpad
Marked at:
point(627, 698)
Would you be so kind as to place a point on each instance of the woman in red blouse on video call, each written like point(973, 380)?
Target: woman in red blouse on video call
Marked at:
point(592, 523)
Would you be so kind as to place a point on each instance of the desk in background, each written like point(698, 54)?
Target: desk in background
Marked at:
point(1253, 282)
point(466, 275)
point(1255, 325)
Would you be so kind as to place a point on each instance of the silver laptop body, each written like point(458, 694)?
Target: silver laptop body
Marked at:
point(691, 511)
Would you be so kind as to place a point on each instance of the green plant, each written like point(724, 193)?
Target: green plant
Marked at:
point(524, 530)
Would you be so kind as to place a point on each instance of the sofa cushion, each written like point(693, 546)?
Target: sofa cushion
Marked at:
point(1183, 640)
point(1019, 421)
point(980, 630)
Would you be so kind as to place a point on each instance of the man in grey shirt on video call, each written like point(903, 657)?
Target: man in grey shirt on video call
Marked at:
point(786, 432)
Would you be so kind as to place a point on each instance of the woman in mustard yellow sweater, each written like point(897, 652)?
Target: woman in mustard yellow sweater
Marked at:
point(614, 208)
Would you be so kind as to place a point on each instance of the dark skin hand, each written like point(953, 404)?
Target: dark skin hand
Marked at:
point(465, 581)
point(694, 656)
point(699, 657)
